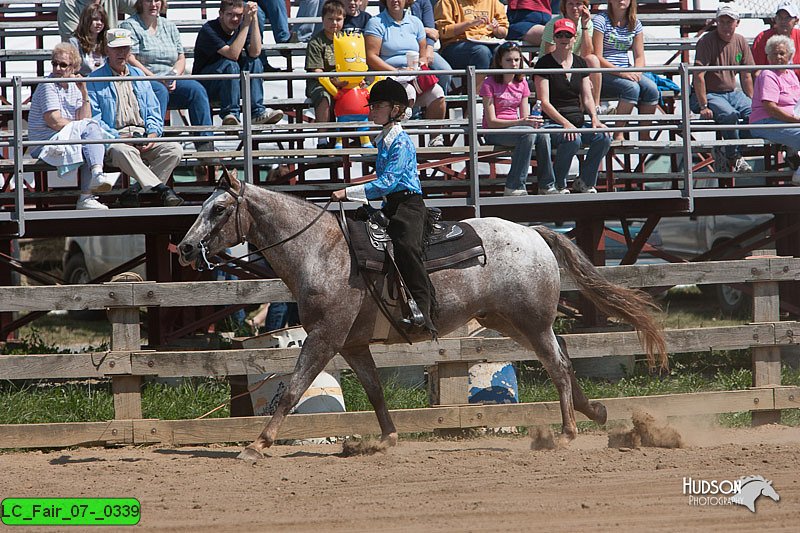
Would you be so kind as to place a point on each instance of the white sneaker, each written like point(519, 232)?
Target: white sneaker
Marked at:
point(514, 192)
point(606, 109)
point(796, 177)
point(579, 186)
point(102, 182)
point(437, 141)
point(231, 120)
point(549, 190)
point(563, 191)
point(740, 165)
point(269, 116)
point(89, 202)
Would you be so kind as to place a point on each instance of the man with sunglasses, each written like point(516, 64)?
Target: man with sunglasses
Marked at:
point(787, 15)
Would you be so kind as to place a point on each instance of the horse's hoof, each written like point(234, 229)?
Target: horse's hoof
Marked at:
point(389, 440)
point(251, 455)
point(600, 413)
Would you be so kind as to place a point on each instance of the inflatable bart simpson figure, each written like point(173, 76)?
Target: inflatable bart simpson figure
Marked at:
point(351, 100)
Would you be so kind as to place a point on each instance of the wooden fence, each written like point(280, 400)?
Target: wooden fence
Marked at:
point(127, 364)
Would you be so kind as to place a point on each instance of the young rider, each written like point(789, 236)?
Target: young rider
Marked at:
point(398, 182)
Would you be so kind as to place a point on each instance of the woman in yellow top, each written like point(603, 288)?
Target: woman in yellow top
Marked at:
point(463, 24)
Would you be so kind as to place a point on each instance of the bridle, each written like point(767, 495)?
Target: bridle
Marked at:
point(241, 238)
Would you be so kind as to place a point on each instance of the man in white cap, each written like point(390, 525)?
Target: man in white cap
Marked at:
point(715, 95)
point(130, 109)
point(786, 16)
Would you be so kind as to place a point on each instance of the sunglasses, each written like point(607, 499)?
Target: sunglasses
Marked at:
point(564, 35)
point(60, 64)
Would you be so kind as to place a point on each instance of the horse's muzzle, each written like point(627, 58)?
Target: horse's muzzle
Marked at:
point(188, 254)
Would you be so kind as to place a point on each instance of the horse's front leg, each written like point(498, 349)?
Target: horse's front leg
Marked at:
point(317, 351)
point(361, 361)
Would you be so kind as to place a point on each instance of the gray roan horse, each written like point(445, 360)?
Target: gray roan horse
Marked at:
point(515, 292)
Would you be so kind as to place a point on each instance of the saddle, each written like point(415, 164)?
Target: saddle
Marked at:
point(448, 243)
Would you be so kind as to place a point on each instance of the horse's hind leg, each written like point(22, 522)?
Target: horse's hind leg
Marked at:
point(360, 360)
point(595, 411)
point(315, 354)
point(559, 369)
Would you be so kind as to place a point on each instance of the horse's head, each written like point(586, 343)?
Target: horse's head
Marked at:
point(221, 223)
point(769, 491)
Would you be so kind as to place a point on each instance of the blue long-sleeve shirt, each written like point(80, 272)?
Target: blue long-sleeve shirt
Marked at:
point(395, 167)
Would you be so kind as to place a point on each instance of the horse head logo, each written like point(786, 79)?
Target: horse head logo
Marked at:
point(752, 488)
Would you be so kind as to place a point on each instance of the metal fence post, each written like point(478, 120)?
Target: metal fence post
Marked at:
point(688, 184)
point(472, 125)
point(18, 151)
point(247, 123)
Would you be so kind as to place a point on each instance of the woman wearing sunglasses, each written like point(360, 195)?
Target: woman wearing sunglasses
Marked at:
point(565, 98)
point(62, 111)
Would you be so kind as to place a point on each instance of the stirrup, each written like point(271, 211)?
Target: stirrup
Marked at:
point(417, 319)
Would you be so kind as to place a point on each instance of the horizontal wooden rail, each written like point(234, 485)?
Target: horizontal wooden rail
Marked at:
point(186, 432)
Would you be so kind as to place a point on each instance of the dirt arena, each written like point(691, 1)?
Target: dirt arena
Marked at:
point(482, 484)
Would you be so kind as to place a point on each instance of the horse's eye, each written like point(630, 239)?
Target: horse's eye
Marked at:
point(218, 209)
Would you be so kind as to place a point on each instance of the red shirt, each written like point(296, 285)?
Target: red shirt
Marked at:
point(760, 43)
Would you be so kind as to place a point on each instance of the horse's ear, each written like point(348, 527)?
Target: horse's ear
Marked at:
point(227, 179)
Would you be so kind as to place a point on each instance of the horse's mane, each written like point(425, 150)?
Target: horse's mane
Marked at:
point(296, 201)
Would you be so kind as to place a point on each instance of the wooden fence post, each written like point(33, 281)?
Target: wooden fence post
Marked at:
point(125, 336)
point(767, 359)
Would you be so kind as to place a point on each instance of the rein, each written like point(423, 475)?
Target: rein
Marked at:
point(239, 201)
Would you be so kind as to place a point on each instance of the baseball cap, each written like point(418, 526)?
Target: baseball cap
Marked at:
point(728, 11)
point(790, 7)
point(564, 24)
point(117, 37)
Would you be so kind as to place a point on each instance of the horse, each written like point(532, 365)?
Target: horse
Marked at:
point(752, 488)
point(514, 291)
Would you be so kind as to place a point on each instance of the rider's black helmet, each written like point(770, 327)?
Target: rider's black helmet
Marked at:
point(388, 90)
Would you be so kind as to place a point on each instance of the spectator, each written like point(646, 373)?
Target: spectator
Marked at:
point(275, 11)
point(423, 10)
point(90, 38)
point(355, 18)
point(462, 24)
point(62, 111)
point(320, 58)
point(564, 98)
point(715, 95)
point(69, 14)
point(786, 17)
point(578, 12)
point(775, 98)
point(157, 51)
point(130, 109)
point(227, 45)
point(616, 32)
point(388, 37)
point(526, 20)
point(306, 30)
point(506, 106)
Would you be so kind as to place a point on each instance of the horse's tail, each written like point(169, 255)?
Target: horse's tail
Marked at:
point(633, 306)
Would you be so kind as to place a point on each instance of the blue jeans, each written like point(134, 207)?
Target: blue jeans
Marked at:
point(729, 108)
point(556, 174)
point(306, 30)
point(440, 63)
point(520, 21)
point(643, 92)
point(788, 136)
point(228, 92)
point(280, 315)
point(188, 94)
point(523, 140)
point(93, 154)
point(461, 54)
point(275, 10)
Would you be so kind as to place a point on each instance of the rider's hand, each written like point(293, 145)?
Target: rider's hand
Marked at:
point(339, 196)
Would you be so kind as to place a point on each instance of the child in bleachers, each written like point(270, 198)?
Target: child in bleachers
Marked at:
point(320, 58)
point(355, 16)
point(90, 38)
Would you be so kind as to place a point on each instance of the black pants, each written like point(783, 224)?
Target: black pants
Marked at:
point(408, 216)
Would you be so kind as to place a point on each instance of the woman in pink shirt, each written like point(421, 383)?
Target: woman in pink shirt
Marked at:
point(775, 97)
point(506, 106)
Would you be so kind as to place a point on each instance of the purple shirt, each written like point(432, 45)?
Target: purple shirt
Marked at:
point(783, 89)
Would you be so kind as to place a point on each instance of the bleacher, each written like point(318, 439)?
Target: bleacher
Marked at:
point(445, 168)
